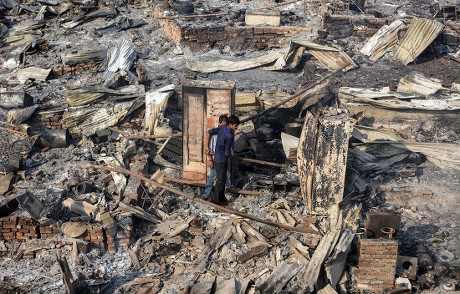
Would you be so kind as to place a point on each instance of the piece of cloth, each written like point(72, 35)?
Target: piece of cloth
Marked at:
point(219, 193)
point(223, 143)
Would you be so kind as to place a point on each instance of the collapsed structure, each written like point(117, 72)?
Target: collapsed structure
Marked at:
point(346, 158)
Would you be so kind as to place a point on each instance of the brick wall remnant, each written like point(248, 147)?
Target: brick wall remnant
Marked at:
point(216, 35)
point(377, 264)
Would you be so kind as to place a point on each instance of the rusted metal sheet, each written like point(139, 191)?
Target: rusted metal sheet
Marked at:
point(204, 102)
point(419, 35)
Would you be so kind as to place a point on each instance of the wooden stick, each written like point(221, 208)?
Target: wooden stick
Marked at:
point(195, 183)
point(270, 109)
point(193, 198)
point(244, 192)
point(165, 136)
point(192, 16)
point(259, 161)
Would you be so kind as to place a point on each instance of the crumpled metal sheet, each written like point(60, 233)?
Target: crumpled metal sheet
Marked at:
point(330, 57)
point(420, 34)
point(120, 57)
point(227, 65)
point(383, 41)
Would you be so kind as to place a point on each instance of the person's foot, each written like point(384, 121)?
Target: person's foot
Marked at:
point(227, 203)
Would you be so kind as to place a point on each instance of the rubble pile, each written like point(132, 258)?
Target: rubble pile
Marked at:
point(344, 177)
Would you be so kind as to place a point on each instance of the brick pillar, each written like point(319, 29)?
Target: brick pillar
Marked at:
point(377, 264)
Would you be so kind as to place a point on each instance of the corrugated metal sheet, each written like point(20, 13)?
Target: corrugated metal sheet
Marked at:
point(383, 41)
point(330, 57)
point(419, 35)
point(333, 60)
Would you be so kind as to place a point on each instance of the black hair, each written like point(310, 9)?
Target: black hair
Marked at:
point(234, 120)
point(223, 118)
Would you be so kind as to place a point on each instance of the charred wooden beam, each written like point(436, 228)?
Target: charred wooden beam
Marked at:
point(322, 158)
point(304, 93)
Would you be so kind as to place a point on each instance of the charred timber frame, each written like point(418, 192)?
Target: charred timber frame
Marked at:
point(322, 159)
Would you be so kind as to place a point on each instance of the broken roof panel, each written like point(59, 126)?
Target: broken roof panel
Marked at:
point(227, 65)
point(393, 100)
point(383, 41)
point(330, 57)
point(419, 84)
point(420, 34)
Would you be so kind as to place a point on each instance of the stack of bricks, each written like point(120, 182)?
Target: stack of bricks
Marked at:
point(110, 227)
point(18, 228)
point(27, 229)
point(133, 185)
point(96, 236)
point(60, 70)
point(122, 239)
point(22, 228)
point(47, 120)
point(221, 36)
point(342, 26)
point(377, 264)
point(48, 231)
point(8, 228)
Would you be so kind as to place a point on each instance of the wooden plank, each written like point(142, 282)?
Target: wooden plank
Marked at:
point(336, 264)
point(139, 212)
point(226, 287)
point(69, 282)
point(324, 249)
point(280, 277)
point(306, 157)
point(260, 17)
point(80, 207)
point(257, 251)
point(204, 284)
point(5, 183)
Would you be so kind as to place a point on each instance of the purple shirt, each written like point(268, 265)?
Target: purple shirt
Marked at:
point(223, 143)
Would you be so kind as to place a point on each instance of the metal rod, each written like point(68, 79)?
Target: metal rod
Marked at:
point(162, 136)
point(193, 198)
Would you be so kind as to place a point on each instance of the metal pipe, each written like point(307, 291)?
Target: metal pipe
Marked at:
point(54, 138)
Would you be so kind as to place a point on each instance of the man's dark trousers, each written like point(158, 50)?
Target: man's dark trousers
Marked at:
point(219, 193)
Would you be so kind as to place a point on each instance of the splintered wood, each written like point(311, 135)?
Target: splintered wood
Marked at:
point(322, 158)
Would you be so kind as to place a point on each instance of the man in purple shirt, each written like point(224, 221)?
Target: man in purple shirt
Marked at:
point(222, 152)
